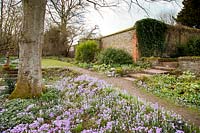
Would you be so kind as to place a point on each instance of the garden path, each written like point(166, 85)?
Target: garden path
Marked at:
point(189, 114)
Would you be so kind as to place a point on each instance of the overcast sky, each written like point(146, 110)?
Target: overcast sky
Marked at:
point(110, 21)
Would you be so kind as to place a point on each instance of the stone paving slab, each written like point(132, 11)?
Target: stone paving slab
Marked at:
point(139, 75)
point(2, 88)
point(130, 79)
point(164, 68)
point(155, 71)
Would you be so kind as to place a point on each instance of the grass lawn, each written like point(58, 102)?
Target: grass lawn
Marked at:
point(54, 63)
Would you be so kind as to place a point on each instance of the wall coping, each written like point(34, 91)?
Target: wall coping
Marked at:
point(189, 58)
point(122, 31)
point(172, 27)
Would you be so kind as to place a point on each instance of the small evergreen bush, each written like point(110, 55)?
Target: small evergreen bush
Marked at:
point(86, 51)
point(115, 56)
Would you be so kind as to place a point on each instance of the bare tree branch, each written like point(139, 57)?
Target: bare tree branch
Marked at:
point(15, 4)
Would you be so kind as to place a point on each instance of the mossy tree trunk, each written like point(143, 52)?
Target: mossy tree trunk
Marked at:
point(29, 83)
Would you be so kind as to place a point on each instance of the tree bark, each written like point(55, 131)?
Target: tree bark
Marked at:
point(1, 22)
point(29, 83)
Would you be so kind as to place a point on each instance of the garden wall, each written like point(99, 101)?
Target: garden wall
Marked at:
point(121, 40)
point(191, 64)
point(176, 36)
point(127, 40)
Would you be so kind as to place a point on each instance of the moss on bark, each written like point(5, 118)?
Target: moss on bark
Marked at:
point(24, 90)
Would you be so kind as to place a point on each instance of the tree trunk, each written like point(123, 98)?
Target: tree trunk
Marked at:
point(29, 83)
point(1, 22)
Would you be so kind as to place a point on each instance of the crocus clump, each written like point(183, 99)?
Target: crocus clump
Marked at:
point(89, 105)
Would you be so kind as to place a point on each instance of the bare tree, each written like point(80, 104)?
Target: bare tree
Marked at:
point(11, 24)
point(68, 15)
point(90, 33)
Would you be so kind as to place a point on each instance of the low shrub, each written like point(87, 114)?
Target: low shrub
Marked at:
point(115, 56)
point(86, 51)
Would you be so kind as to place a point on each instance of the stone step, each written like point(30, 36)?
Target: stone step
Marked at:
point(164, 68)
point(12, 75)
point(11, 72)
point(139, 75)
point(130, 78)
point(155, 71)
point(2, 88)
point(169, 64)
point(8, 75)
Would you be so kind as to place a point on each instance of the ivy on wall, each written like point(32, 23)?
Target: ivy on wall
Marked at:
point(151, 37)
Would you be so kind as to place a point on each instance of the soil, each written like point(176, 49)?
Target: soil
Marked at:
point(190, 115)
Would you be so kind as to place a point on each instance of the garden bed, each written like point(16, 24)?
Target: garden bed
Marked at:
point(183, 89)
point(115, 70)
point(86, 104)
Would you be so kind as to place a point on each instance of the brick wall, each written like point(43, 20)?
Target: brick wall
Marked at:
point(120, 40)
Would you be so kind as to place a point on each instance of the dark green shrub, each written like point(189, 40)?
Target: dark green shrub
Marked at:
point(87, 51)
point(10, 85)
point(151, 37)
point(115, 56)
point(191, 48)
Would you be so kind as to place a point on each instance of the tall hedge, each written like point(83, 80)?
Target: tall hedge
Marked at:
point(151, 37)
point(86, 51)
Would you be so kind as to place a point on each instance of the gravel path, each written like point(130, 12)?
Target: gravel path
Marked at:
point(190, 115)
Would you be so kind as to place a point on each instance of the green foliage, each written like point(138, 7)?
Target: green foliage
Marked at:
point(191, 48)
point(10, 85)
point(14, 113)
point(151, 37)
point(86, 51)
point(87, 104)
point(20, 111)
point(52, 75)
point(85, 65)
point(78, 128)
point(116, 69)
point(115, 56)
point(50, 95)
point(183, 89)
point(189, 15)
